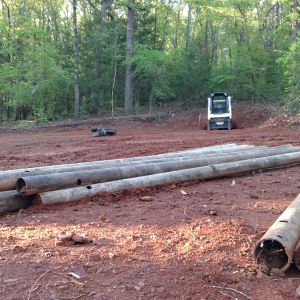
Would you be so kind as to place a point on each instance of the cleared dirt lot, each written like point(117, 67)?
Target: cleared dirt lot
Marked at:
point(190, 241)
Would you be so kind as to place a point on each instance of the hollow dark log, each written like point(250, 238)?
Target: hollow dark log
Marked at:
point(275, 249)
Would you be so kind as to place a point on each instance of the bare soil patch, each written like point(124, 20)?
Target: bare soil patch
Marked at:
point(183, 241)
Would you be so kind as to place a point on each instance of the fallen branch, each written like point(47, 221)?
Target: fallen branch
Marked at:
point(227, 295)
point(70, 281)
point(232, 290)
point(73, 298)
point(33, 286)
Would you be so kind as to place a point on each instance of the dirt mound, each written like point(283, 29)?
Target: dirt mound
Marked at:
point(249, 117)
point(282, 119)
point(243, 117)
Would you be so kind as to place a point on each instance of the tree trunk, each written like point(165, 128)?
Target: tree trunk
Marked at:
point(246, 39)
point(96, 95)
point(206, 37)
point(76, 71)
point(128, 105)
point(8, 13)
point(151, 101)
point(195, 23)
point(57, 27)
point(214, 42)
point(1, 107)
point(175, 43)
point(104, 12)
point(115, 75)
point(165, 27)
point(188, 28)
point(9, 25)
point(295, 24)
point(155, 25)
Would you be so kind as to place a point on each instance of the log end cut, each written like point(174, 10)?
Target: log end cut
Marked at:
point(270, 254)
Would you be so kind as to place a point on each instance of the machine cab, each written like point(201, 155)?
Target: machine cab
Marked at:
point(219, 111)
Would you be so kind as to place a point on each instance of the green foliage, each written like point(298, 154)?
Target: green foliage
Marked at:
point(35, 81)
point(150, 71)
point(168, 76)
point(242, 47)
point(292, 63)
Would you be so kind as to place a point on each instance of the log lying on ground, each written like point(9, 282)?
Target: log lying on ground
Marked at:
point(207, 172)
point(38, 184)
point(135, 158)
point(8, 178)
point(275, 249)
point(11, 201)
point(296, 257)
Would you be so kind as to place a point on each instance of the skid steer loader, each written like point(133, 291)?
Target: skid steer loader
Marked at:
point(219, 111)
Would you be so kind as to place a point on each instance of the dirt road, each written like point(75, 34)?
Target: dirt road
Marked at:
point(187, 241)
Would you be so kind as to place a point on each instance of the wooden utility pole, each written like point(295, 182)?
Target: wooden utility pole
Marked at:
point(76, 70)
point(128, 105)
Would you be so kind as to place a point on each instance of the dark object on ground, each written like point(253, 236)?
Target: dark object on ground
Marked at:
point(11, 201)
point(103, 131)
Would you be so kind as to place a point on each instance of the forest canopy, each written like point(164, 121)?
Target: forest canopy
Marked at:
point(93, 57)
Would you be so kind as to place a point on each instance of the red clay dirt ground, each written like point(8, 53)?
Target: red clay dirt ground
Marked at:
point(193, 240)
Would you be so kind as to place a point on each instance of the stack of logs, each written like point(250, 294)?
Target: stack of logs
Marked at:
point(62, 183)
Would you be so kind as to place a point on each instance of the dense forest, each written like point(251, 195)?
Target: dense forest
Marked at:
point(73, 58)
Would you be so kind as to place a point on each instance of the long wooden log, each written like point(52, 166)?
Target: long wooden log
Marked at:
point(136, 158)
point(38, 184)
point(207, 172)
point(11, 201)
point(296, 258)
point(8, 178)
point(276, 248)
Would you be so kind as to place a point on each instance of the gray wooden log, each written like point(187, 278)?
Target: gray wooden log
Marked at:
point(296, 258)
point(207, 172)
point(276, 248)
point(38, 184)
point(137, 158)
point(11, 201)
point(8, 178)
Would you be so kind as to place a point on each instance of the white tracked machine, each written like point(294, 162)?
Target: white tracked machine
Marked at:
point(219, 111)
